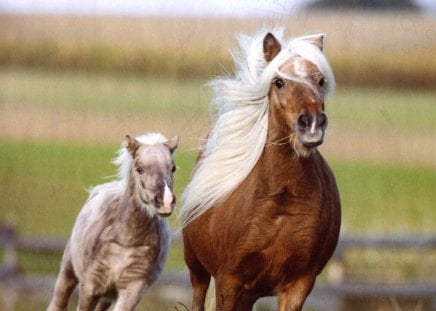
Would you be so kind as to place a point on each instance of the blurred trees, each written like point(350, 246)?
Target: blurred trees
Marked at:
point(376, 5)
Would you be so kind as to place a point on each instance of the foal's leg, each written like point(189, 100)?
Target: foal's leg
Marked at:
point(87, 301)
point(294, 297)
point(129, 297)
point(87, 298)
point(103, 305)
point(65, 284)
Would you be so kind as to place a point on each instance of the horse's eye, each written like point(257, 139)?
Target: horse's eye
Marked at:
point(279, 83)
point(140, 170)
point(173, 169)
point(321, 82)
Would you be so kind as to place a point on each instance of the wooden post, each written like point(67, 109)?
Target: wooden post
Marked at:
point(9, 239)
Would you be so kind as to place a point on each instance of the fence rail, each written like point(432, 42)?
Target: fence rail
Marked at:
point(337, 285)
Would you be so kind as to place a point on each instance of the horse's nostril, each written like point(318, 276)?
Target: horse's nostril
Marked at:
point(322, 120)
point(158, 199)
point(303, 120)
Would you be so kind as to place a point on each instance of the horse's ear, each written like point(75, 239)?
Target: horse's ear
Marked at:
point(132, 145)
point(172, 143)
point(317, 40)
point(271, 47)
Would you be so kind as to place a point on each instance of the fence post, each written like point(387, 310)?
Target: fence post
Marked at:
point(8, 232)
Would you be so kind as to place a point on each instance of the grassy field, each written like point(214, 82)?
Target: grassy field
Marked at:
point(60, 129)
point(44, 187)
point(60, 132)
point(394, 50)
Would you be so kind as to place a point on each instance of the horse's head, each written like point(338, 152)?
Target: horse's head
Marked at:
point(297, 91)
point(151, 174)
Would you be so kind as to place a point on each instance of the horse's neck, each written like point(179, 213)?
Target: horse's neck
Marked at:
point(135, 220)
point(280, 162)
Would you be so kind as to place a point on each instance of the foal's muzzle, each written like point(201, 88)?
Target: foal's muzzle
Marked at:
point(165, 202)
point(310, 128)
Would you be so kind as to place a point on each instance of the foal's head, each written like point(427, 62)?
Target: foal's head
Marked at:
point(297, 92)
point(151, 174)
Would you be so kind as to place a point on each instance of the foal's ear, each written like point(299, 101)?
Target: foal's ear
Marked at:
point(271, 47)
point(172, 143)
point(132, 145)
point(317, 40)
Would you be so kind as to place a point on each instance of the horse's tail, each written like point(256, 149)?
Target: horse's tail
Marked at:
point(210, 303)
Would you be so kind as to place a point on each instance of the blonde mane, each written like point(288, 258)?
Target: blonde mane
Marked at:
point(238, 137)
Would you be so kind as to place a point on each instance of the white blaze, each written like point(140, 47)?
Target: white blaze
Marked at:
point(167, 199)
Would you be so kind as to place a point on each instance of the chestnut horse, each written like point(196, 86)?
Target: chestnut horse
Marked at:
point(261, 214)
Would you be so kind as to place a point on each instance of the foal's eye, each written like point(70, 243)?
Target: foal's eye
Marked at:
point(321, 82)
point(279, 83)
point(173, 169)
point(140, 170)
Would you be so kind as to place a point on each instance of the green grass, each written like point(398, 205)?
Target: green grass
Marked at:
point(382, 108)
point(381, 198)
point(43, 186)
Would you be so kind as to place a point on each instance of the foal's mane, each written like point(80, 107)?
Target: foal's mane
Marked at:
point(239, 135)
point(124, 159)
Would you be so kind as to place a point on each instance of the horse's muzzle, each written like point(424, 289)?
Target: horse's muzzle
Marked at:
point(167, 203)
point(310, 129)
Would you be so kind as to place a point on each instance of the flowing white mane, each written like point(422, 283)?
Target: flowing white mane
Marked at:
point(238, 137)
point(124, 159)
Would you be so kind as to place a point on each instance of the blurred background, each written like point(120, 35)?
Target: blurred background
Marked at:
point(76, 76)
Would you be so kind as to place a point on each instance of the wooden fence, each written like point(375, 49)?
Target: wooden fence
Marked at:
point(337, 292)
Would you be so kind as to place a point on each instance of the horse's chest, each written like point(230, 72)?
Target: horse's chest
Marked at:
point(120, 257)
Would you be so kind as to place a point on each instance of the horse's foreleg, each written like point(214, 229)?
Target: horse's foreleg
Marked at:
point(293, 298)
point(228, 293)
point(65, 284)
point(200, 284)
point(129, 297)
point(200, 280)
point(246, 303)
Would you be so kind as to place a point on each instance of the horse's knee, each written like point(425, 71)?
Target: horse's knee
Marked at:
point(129, 296)
point(228, 294)
point(293, 298)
